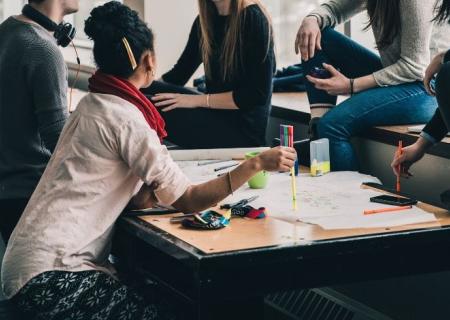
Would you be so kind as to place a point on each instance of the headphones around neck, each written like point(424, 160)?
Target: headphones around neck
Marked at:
point(64, 32)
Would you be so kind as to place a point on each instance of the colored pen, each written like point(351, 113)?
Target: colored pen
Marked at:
point(205, 163)
point(226, 167)
point(367, 212)
point(400, 152)
point(181, 218)
point(287, 140)
point(293, 180)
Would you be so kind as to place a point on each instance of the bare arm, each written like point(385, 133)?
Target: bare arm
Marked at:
point(222, 101)
point(208, 194)
point(339, 84)
point(170, 101)
point(364, 83)
point(141, 150)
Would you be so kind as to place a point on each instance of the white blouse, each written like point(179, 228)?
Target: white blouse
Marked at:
point(104, 155)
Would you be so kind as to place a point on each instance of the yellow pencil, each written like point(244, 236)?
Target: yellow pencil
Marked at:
point(287, 140)
point(294, 184)
point(294, 189)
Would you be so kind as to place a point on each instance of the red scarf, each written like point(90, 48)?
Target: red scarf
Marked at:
point(107, 84)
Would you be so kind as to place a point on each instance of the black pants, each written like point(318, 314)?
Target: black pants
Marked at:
point(442, 91)
point(201, 128)
point(10, 212)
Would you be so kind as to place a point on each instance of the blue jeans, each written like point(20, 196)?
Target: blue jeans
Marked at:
point(407, 103)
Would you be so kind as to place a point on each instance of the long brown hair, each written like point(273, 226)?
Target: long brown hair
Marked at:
point(385, 16)
point(232, 49)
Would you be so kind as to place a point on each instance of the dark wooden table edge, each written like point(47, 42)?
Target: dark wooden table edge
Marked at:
point(338, 261)
point(179, 248)
point(141, 229)
point(377, 134)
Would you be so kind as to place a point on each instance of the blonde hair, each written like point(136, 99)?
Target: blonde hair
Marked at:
point(232, 49)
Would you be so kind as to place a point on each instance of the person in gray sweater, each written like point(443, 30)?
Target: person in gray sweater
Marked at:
point(33, 105)
point(385, 88)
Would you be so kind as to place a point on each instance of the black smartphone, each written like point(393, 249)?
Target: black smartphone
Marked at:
point(393, 200)
point(320, 73)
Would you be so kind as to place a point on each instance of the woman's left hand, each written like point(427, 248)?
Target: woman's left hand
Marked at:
point(171, 101)
point(338, 84)
point(434, 67)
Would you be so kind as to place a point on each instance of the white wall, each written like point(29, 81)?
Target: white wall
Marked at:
point(171, 28)
point(11, 8)
point(171, 21)
point(365, 38)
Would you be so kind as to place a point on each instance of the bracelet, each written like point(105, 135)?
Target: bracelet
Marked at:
point(352, 87)
point(318, 18)
point(229, 182)
point(208, 104)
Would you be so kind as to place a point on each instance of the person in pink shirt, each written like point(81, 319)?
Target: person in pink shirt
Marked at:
point(109, 156)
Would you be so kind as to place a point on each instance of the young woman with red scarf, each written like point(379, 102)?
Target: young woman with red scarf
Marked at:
point(109, 156)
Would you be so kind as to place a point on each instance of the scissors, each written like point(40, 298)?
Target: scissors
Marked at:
point(238, 204)
point(229, 206)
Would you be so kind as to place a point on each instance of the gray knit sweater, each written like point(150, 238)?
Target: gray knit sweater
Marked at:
point(407, 58)
point(33, 105)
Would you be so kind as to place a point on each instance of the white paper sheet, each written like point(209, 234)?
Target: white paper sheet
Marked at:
point(333, 201)
point(213, 154)
point(202, 173)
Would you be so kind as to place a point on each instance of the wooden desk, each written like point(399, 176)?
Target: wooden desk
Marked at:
point(237, 266)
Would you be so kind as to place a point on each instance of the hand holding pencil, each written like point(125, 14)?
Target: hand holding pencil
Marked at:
point(409, 155)
point(278, 159)
point(287, 140)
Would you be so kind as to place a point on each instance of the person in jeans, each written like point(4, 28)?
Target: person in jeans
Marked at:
point(437, 83)
point(33, 105)
point(109, 156)
point(233, 41)
point(385, 89)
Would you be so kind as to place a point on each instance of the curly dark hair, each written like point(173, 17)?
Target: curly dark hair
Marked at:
point(107, 25)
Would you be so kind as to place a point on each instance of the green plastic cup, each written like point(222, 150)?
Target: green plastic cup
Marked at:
point(259, 180)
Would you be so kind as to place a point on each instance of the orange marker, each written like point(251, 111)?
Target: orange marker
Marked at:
point(400, 152)
point(367, 212)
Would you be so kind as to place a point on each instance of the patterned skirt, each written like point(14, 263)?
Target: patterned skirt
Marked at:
point(85, 295)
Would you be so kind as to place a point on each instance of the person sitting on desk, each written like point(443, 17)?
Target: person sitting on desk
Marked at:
point(233, 40)
point(33, 102)
point(385, 89)
point(109, 156)
point(439, 125)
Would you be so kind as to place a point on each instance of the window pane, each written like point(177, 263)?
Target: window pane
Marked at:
point(79, 18)
point(286, 17)
point(1, 11)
